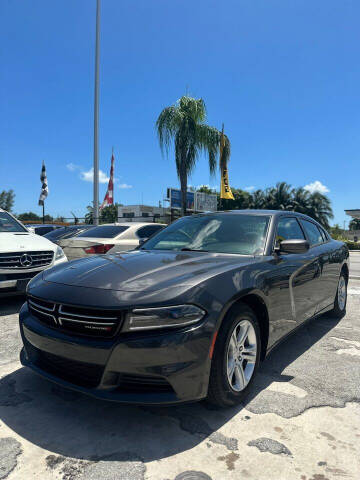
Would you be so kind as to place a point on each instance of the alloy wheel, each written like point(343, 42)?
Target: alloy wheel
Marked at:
point(342, 293)
point(241, 355)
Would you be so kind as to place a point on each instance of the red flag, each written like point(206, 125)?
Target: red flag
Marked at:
point(109, 196)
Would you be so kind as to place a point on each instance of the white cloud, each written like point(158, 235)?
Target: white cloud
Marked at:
point(249, 189)
point(72, 167)
point(316, 186)
point(88, 176)
point(124, 185)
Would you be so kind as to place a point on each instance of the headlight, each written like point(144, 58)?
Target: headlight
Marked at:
point(163, 317)
point(59, 253)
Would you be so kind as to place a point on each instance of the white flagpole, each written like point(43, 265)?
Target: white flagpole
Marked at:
point(96, 118)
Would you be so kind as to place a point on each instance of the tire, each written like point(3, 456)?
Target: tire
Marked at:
point(339, 309)
point(226, 388)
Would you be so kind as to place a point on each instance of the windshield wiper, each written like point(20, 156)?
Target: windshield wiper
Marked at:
point(188, 249)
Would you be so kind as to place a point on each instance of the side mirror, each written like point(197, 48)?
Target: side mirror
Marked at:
point(294, 246)
point(142, 240)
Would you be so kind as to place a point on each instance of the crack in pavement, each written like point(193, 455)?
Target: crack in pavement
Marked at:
point(270, 445)
point(195, 426)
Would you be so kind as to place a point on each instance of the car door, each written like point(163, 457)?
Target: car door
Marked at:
point(320, 247)
point(293, 281)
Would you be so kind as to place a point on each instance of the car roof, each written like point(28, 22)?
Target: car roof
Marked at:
point(43, 225)
point(129, 224)
point(273, 213)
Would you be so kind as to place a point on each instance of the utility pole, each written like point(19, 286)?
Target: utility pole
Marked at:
point(96, 118)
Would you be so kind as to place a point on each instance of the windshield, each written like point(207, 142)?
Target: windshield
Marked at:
point(103, 231)
point(221, 233)
point(9, 224)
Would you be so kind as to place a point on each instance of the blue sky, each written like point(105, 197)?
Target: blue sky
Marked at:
point(283, 76)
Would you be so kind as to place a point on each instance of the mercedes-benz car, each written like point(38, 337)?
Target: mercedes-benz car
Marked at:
point(187, 316)
point(23, 255)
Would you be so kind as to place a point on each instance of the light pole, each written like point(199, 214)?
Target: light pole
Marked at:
point(96, 118)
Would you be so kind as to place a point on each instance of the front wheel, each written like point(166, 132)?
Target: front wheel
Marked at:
point(236, 357)
point(340, 298)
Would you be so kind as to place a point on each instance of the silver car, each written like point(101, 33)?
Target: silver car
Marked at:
point(109, 238)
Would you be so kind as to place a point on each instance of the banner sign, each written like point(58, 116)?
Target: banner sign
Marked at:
point(205, 202)
point(195, 201)
point(174, 195)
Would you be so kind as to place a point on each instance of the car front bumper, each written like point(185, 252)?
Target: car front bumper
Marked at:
point(143, 368)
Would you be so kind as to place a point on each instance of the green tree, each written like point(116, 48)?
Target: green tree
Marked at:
point(300, 200)
point(107, 214)
point(7, 198)
point(279, 197)
point(257, 200)
point(29, 216)
point(242, 200)
point(354, 224)
point(319, 208)
point(184, 125)
point(206, 189)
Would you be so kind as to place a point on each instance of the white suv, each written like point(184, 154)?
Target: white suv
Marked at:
point(22, 255)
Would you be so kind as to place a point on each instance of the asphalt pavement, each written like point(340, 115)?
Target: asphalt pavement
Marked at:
point(302, 420)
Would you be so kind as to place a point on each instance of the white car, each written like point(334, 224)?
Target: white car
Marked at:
point(23, 255)
point(109, 238)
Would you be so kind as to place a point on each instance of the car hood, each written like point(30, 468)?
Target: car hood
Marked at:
point(23, 241)
point(144, 270)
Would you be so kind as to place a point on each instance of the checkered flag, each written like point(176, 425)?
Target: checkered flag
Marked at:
point(44, 185)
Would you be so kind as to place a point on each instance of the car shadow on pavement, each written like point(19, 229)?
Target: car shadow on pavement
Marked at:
point(11, 305)
point(74, 425)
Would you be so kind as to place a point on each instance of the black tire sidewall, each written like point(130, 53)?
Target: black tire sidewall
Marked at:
point(218, 377)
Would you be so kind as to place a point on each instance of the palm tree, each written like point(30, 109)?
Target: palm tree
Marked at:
point(320, 209)
point(279, 197)
point(300, 200)
point(257, 199)
point(184, 124)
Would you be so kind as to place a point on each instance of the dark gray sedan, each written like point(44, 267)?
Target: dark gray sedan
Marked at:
point(187, 316)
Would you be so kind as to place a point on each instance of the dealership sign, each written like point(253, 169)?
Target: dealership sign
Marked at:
point(195, 201)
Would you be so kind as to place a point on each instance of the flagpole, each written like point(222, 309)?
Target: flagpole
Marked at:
point(96, 118)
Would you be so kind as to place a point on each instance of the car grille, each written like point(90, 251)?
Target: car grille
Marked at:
point(26, 260)
point(79, 320)
point(79, 373)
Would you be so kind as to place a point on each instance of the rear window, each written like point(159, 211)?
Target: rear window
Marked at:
point(313, 232)
point(146, 232)
point(103, 231)
point(55, 234)
point(65, 232)
point(8, 224)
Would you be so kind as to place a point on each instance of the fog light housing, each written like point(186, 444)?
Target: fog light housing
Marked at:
point(163, 317)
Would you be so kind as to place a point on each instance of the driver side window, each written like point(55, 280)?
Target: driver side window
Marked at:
point(288, 229)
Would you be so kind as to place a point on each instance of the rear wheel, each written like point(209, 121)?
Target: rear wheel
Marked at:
point(341, 297)
point(236, 357)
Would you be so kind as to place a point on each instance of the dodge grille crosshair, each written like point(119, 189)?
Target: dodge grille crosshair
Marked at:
point(79, 320)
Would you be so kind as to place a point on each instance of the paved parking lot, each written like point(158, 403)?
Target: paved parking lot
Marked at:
point(301, 422)
point(355, 264)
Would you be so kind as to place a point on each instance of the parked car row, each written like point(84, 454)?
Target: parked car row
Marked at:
point(26, 251)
